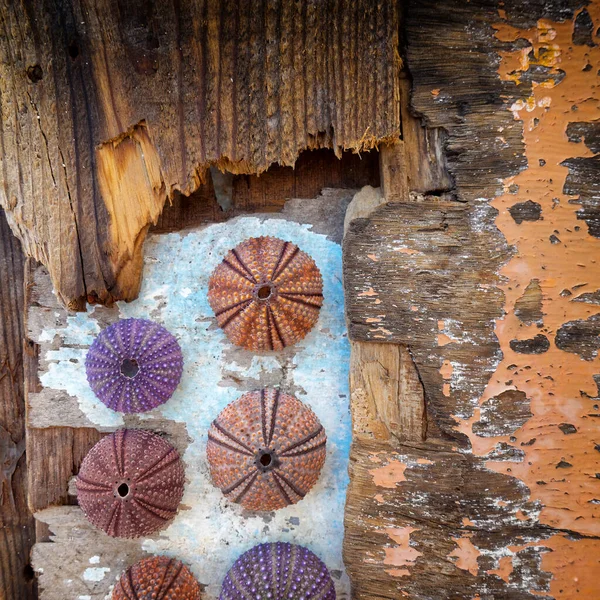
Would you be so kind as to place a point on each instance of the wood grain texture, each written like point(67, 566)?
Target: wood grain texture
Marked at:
point(269, 191)
point(54, 454)
point(386, 393)
point(418, 273)
point(499, 500)
point(17, 532)
point(109, 107)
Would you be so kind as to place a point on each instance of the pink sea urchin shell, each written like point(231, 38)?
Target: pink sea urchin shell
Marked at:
point(157, 578)
point(266, 450)
point(266, 294)
point(278, 571)
point(134, 365)
point(130, 483)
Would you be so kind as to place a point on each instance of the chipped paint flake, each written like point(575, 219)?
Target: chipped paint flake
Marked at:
point(390, 475)
point(466, 554)
point(369, 292)
point(402, 554)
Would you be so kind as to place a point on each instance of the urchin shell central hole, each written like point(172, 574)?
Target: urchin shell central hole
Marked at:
point(123, 490)
point(264, 292)
point(266, 460)
point(130, 367)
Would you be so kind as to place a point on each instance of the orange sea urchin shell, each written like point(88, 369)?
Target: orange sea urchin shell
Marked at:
point(157, 578)
point(266, 294)
point(130, 483)
point(266, 450)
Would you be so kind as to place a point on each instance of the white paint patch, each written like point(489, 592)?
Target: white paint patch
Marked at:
point(94, 560)
point(214, 532)
point(86, 597)
point(95, 573)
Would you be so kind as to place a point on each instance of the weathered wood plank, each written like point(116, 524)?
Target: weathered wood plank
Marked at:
point(268, 192)
point(418, 274)
point(386, 393)
point(53, 454)
point(110, 107)
point(78, 560)
point(499, 501)
point(17, 534)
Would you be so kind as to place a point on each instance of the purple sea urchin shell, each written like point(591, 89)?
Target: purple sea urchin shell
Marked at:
point(130, 483)
point(157, 578)
point(266, 450)
point(278, 571)
point(266, 294)
point(134, 365)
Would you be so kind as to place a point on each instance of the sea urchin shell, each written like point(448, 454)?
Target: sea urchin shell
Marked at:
point(157, 578)
point(130, 483)
point(134, 365)
point(278, 571)
point(265, 450)
point(266, 294)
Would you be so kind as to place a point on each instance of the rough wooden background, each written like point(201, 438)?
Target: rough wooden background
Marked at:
point(490, 285)
point(472, 279)
point(17, 525)
point(110, 107)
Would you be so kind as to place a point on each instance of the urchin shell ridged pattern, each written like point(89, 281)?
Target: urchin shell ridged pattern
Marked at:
point(266, 450)
point(278, 571)
point(157, 578)
point(153, 351)
point(131, 483)
point(266, 294)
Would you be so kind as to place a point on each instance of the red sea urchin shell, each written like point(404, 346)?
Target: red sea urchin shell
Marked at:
point(266, 294)
point(266, 450)
point(157, 578)
point(279, 571)
point(134, 365)
point(130, 483)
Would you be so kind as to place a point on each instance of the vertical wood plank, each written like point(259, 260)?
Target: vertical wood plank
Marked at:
point(17, 533)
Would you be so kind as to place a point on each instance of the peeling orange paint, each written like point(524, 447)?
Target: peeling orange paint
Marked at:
point(558, 469)
point(390, 475)
point(466, 554)
point(521, 516)
point(409, 251)
point(443, 339)
point(373, 257)
point(369, 292)
point(403, 554)
point(446, 372)
point(381, 330)
point(398, 572)
point(505, 564)
point(505, 568)
point(575, 566)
